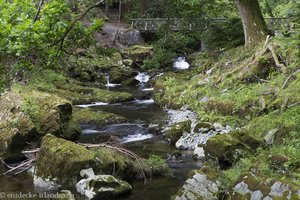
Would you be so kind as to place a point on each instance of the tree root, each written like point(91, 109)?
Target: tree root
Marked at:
point(275, 57)
point(289, 78)
point(25, 165)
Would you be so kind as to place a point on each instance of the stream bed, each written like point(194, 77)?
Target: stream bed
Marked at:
point(137, 135)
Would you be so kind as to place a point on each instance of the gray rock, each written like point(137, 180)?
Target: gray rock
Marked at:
point(200, 186)
point(278, 189)
point(269, 138)
point(218, 126)
point(101, 186)
point(260, 187)
point(199, 152)
point(256, 195)
point(130, 37)
point(242, 188)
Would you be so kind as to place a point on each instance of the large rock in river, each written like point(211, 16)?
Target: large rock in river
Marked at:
point(130, 37)
point(177, 130)
point(51, 114)
point(203, 184)
point(60, 161)
point(104, 187)
point(29, 115)
point(225, 147)
point(16, 127)
point(138, 53)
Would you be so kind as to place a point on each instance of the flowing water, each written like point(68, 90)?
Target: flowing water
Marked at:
point(139, 134)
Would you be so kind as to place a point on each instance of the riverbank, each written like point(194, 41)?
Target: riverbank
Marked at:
point(247, 90)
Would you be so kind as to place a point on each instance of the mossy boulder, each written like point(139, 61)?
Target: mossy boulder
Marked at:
point(138, 53)
point(87, 115)
point(203, 127)
point(72, 90)
point(256, 186)
point(203, 184)
point(29, 115)
point(51, 114)
point(16, 127)
point(87, 68)
point(227, 147)
point(79, 94)
point(177, 130)
point(129, 37)
point(62, 160)
point(122, 76)
point(104, 187)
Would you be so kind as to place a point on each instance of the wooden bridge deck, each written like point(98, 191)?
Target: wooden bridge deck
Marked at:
point(177, 24)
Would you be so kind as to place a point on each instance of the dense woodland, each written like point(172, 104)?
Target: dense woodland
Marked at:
point(61, 60)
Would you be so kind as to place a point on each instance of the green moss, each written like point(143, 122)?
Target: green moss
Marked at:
point(177, 130)
point(70, 89)
point(158, 165)
point(87, 115)
point(59, 157)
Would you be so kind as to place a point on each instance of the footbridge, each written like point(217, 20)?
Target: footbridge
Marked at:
point(178, 24)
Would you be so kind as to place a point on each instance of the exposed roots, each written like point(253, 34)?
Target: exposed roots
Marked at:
point(19, 168)
point(281, 66)
point(289, 78)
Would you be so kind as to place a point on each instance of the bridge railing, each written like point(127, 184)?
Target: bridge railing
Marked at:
point(176, 24)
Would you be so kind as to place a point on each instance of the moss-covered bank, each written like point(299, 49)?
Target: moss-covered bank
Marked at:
point(245, 88)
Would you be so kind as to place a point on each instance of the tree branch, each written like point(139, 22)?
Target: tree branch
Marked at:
point(289, 78)
point(62, 39)
point(39, 10)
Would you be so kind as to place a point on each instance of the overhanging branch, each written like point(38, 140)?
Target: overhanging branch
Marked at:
point(62, 39)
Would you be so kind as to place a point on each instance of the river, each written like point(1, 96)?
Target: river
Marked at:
point(137, 137)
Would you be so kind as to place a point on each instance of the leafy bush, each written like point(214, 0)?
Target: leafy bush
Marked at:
point(170, 45)
point(29, 38)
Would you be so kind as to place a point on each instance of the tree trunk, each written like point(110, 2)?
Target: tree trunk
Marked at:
point(255, 28)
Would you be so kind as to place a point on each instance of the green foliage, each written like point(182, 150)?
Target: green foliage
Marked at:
point(157, 164)
point(170, 45)
point(224, 35)
point(173, 43)
point(34, 43)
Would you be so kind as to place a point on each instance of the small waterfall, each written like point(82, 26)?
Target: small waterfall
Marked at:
point(92, 105)
point(181, 64)
point(142, 77)
point(108, 84)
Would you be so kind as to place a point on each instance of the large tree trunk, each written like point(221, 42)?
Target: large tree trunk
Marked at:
point(255, 28)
